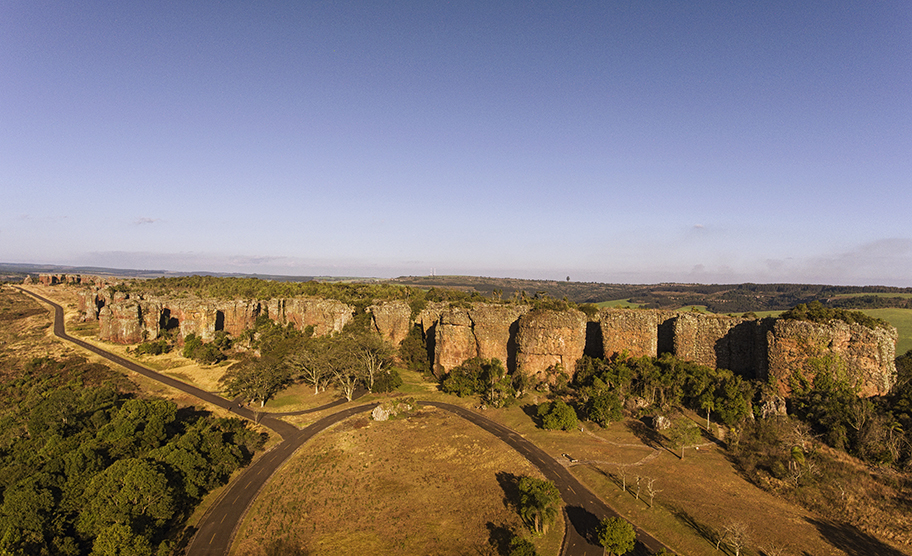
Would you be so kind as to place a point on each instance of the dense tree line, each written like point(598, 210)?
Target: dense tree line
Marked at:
point(88, 469)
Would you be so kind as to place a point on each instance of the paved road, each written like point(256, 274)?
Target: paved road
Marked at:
point(583, 509)
point(217, 528)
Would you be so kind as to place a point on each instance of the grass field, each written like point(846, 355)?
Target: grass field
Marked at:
point(902, 295)
point(618, 304)
point(429, 484)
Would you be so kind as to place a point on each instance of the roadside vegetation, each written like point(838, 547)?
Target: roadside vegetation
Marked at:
point(805, 456)
point(87, 466)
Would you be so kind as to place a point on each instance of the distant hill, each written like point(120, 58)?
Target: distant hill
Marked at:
point(10, 270)
point(717, 298)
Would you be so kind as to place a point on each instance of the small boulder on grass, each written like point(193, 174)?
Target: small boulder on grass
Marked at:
point(393, 408)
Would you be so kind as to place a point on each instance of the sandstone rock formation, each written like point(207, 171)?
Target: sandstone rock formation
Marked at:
point(548, 339)
point(632, 331)
point(205, 317)
point(392, 320)
point(732, 343)
point(533, 341)
point(484, 330)
point(121, 323)
point(325, 315)
point(862, 356)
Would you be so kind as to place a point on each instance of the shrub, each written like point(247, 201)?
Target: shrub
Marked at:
point(557, 415)
point(387, 381)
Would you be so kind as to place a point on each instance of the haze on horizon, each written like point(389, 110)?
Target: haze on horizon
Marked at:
point(631, 142)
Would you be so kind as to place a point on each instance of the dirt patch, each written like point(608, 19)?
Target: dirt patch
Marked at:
point(428, 485)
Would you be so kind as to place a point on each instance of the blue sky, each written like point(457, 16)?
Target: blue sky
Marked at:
point(609, 141)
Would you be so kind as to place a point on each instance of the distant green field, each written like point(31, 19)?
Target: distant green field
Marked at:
point(903, 295)
point(764, 314)
point(618, 303)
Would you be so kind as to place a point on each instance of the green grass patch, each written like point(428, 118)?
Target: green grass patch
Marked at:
point(902, 295)
point(618, 304)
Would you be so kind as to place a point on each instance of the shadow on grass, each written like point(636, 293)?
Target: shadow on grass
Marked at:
point(532, 411)
point(852, 540)
point(705, 531)
point(509, 483)
point(285, 547)
point(645, 434)
point(500, 537)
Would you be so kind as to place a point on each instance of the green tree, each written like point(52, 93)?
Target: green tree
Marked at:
point(539, 501)
point(521, 547)
point(119, 539)
point(413, 351)
point(616, 535)
point(373, 354)
point(132, 491)
point(681, 433)
point(257, 379)
point(557, 415)
point(603, 407)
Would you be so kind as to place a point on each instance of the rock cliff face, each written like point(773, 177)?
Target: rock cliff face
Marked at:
point(484, 330)
point(723, 342)
point(130, 320)
point(534, 341)
point(550, 338)
point(852, 352)
point(121, 323)
point(635, 332)
point(392, 320)
point(325, 315)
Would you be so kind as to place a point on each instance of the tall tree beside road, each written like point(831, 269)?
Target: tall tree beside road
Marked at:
point(616, 535)
point(373, 354)
point(539, 501)
point(257, 379)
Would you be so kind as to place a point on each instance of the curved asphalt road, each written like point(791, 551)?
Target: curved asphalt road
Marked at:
point(216, 530)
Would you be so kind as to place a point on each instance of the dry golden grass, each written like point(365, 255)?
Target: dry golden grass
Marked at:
point(423, 485)
point(699, 494)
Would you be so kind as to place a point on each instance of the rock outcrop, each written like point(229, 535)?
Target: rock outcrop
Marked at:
point(547, 339)
point(533, 342)
point(484, 330)
point(204, 317)
point(632, 331)
point(392, 320)
point(325, 315)
point(862, 356)
point(718, 341)
point(122, 323)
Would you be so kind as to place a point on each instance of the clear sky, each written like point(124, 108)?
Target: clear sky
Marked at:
point(612, 141)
